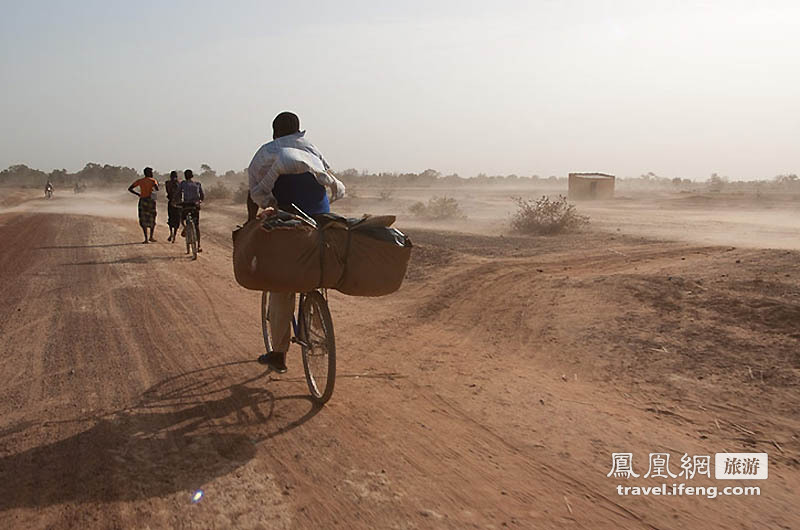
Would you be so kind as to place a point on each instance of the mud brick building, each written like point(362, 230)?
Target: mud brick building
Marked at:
point(591, 186)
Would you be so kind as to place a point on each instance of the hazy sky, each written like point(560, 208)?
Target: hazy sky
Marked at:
point(677, 88)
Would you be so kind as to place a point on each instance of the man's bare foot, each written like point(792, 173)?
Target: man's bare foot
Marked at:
point(144, 242)
point(152, 240)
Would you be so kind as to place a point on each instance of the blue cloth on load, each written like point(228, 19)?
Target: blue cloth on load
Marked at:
point(303, 190)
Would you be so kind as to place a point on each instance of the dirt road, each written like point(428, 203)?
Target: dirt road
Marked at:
point(489, 392)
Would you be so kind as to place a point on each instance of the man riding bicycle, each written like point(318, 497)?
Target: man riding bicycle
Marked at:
point(191, 195)
point(288, 170)
point(48, 189)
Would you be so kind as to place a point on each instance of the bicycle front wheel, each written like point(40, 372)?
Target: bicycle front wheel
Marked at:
point(319, 346)
point(266, 330)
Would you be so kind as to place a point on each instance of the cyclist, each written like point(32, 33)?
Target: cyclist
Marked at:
point(48, 189)
point(147, 204)
point(173, 205)
point(288, 170)
point(191, 195)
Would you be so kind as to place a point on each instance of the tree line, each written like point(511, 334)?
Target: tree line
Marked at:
point(106, 175)
point(96, 175)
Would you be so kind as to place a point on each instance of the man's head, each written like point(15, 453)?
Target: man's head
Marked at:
point(173, 175)
point(148, 172)
point(284, 124)
point(187, 174)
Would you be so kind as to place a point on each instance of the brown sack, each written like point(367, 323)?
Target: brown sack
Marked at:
point(376, 261)
point(286, 255)
point(283, 259)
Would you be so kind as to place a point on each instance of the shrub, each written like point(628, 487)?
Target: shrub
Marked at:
point(438, 208)
point(217, 191)
point(546, 216)
point(385, 194)
point(240, 195)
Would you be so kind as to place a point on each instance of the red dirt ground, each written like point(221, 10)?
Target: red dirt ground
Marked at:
point(489, 392)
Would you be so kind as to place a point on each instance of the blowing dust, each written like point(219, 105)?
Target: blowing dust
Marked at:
point(742, 221)
point(117, 204)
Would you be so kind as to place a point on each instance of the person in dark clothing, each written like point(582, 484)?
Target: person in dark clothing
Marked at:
point(173, 205)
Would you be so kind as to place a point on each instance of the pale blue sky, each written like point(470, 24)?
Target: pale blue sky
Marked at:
point(678, 88)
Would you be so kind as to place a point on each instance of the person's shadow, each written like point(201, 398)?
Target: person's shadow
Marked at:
point(185, 431)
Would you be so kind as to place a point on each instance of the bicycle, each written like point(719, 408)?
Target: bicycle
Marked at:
point(191, 229)
point(48, 193)
point(312, 329)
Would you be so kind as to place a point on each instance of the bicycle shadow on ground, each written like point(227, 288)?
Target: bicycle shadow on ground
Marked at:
point(186, 431)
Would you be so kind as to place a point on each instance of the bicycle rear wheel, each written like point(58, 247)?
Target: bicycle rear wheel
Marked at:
point(191, 237)
point(319, 346)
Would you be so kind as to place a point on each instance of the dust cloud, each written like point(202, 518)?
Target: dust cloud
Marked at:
point(742, 220)
point(115, 204)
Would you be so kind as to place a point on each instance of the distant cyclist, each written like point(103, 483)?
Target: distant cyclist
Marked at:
point(147, 204)
point(288, 170)
point(192, 195)
point(48, 189)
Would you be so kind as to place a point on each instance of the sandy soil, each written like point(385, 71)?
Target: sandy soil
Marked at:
point(489, 392)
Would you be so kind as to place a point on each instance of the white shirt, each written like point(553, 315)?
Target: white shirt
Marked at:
point(288, 155)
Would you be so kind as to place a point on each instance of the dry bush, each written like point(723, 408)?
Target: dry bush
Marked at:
point(240, 195)
point(546, 216)
point(217, 191)
point(386, 194)
point(437, 209)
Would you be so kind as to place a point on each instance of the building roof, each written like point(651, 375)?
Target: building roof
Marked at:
point(592, 175)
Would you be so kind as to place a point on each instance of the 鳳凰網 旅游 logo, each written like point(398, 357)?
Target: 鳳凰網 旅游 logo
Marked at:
point(727, 466)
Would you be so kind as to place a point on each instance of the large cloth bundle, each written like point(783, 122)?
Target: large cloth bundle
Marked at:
point(288, 253)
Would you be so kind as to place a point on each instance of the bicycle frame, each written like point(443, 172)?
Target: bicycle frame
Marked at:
point(295, 326)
